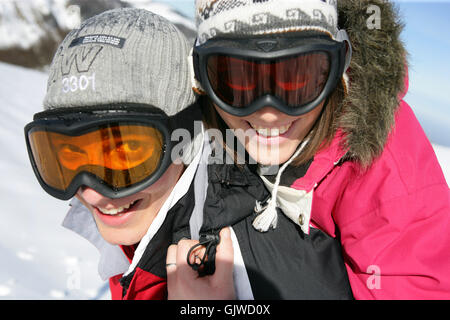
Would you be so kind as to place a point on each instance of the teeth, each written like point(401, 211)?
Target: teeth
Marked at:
point(271, 132)
point(114, 211)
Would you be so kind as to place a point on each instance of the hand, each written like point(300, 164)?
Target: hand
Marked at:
point(183, 283)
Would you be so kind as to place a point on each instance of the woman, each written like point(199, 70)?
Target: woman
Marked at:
point(357, 170)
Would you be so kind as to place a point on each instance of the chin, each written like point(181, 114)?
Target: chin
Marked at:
point(270, 157)
point(120, 241)
point(117, 237)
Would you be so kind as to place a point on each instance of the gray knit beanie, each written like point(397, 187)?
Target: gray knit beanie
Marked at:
point(254, 17)
point(122, 56)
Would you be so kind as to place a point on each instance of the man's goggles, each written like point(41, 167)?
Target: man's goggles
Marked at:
point(116, 152)
point(293, 73)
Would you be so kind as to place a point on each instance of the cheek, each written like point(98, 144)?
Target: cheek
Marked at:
point(306, 122)
point(233, 122)
point(166, 182)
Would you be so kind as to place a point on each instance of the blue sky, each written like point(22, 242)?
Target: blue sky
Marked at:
point(427, 39)
point(184, 6)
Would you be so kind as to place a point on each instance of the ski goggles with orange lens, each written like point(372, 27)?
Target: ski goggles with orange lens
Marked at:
point(293, 73)
point(116, 152)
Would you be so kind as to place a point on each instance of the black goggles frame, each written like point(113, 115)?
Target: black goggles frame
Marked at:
point(77, 121)
point(267, 48)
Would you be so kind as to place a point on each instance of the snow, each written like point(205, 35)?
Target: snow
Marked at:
point(22, 22)
point(443, 155)
point(40, 258)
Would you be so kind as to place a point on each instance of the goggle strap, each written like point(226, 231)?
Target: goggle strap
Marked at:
point(195, 73)
point(186, 118)
point(342, 36)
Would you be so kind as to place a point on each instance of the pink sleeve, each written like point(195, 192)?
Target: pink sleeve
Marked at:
point(401, 250)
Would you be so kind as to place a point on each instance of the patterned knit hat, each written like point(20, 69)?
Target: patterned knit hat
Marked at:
point(254, 17)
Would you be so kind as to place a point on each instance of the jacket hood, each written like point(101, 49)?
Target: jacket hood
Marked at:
point(377, 75)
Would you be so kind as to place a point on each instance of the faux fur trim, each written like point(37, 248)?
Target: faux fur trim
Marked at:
point(377, 72)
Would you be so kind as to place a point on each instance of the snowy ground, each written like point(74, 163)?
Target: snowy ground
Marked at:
point(443, 154)
point(39, 258)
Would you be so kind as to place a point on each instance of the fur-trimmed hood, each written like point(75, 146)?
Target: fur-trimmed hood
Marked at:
point(377, 76)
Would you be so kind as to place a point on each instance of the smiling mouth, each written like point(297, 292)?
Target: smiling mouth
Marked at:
point(120, 210)
point(271, 132)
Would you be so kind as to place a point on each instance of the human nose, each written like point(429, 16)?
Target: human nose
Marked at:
point(268, 114)
point(92, 197)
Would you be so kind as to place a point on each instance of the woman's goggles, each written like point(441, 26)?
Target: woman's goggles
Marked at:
point(115, 152)
point(293, 73)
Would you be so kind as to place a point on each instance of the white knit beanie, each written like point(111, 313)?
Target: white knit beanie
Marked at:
point(254, 17)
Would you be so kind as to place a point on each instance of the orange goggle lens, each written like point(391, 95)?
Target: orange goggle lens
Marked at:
point(120, 155)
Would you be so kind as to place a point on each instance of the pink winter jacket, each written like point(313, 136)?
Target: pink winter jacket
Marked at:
point(393, 220)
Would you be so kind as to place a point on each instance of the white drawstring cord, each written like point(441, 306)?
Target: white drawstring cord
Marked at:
point(267, 216)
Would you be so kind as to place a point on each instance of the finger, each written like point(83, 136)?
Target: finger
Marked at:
point(225, 255)
point(171, 261)
point(172, 254)
point(182, 255)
